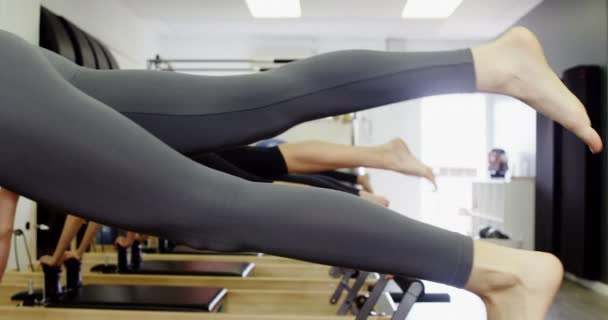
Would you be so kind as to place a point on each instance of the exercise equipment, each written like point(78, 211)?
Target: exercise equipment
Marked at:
point(100, 57)
point(168, 246)
point(61, 36)
point(110, 57)
point(136, 265)
point(84, 52)
point(379, 301)
point(130, 297)
point(54, 36)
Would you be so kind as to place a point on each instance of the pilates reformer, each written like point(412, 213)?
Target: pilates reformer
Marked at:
point(136, 265)
point(168, 246)
point(121, 297)
point(381, 300)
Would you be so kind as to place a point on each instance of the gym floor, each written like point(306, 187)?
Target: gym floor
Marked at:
point(576, 302)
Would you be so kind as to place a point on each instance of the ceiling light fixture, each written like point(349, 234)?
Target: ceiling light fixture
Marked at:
point(429, 9)
point(274, 8)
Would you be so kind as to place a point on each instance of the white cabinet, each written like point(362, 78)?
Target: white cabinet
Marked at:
point(508, 205)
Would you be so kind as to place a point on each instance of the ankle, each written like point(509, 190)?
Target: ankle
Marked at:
point(500, 63)
point(497, 268)
point(390, 160)
point(486, 282)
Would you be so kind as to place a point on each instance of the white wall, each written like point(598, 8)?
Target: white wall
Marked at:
point(377, 126)
point(514, 130)
point(330, 130)
point(21, 17)
point(131, 39)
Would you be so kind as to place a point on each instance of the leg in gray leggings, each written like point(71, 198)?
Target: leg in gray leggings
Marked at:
point(65, 146)
point(196, 113)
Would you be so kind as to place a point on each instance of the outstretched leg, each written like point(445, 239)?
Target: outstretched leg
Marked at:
point(73, 152)
point(195, 113)
point(86, 241)
point(198, 113)
point(514, 284)
point(87, 148)
point(316, 156)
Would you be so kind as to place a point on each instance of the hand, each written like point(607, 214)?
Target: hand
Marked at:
point(49, 261)
point(141, 237)
point(122, 242)
point(71, 255)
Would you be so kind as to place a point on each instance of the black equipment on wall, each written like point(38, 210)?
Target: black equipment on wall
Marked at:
point(54, 36)
point(548, 168)
point(569, 182)
point(110, 58)
point(100, 55)
point(581, 185)
point(61, 36)
point(84, 53)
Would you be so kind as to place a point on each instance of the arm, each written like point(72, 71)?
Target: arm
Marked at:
point(127, 240)
point(8, 206)
point(70, 228)
point(89, 235)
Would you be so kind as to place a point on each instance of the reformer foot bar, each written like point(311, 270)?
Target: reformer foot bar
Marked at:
point(120, 297)
point(364, 306)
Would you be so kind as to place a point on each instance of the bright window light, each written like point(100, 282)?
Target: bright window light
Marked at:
point(274, 8)
point(429, 9)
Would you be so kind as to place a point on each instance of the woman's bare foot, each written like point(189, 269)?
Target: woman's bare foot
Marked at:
point(398, 157)
point(514, 284)
point(366, 182)
point(515, 65)
point(379, 200)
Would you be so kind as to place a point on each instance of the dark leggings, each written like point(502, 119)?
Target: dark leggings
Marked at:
point(344, 177)
point(214, 161)
point(266, 165)
point(318, 181)
point(106, 145)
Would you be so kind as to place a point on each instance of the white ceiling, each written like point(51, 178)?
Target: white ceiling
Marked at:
point(474, 19)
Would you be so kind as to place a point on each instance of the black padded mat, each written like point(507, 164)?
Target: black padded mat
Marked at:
point(181, 249)
point(195, 268)
point(184, 268)
point(157, 298)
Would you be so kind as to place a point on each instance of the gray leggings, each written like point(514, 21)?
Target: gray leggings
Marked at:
point(107, 146)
